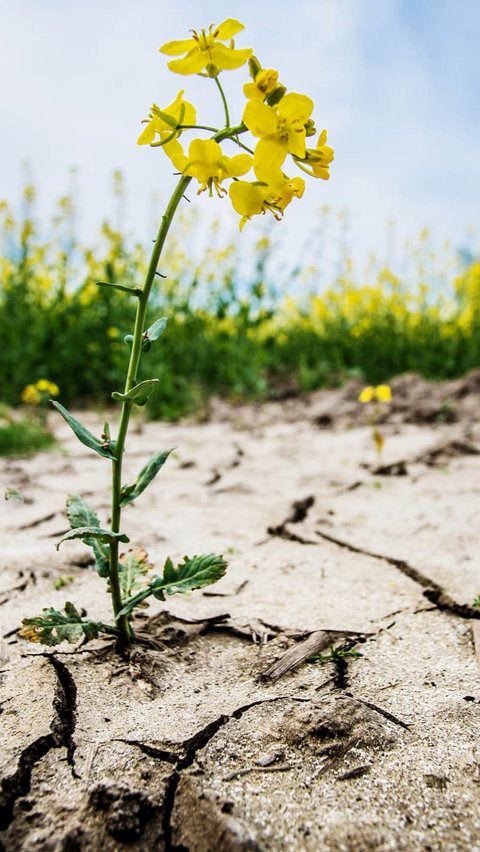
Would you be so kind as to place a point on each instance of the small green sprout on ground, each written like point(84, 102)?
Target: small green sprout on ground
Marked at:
point(334, 655)
point(279, 124)
point(375, 397)
point(476, 602)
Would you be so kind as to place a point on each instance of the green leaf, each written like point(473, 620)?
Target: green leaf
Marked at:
point(98, 534)
point(139, 394)
point(144, 478)
point(80, 515)
point(194, 573)
point(54, 627)
point(156, 330)
point(131, 566)
point(83, 434)
point(134, 291)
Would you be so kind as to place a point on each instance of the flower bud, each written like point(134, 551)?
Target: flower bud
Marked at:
point(276, 95)
point(254, 67)
point(310, 127)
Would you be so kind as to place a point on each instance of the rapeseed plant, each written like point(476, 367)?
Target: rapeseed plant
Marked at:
point(281, 121)
point(375, 397)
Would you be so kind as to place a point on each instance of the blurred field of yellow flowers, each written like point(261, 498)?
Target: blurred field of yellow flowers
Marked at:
point(236, 330)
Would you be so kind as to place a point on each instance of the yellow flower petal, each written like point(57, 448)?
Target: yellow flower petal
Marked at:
point(192, 63)
point(239, 165)
point(367, 394)
point(228, 28)
point(260, 119)
point(147, 135)
point(296, 107)
point(268, 159)
point(174, 151)
point(247, 198)
point(383, 393)
point(226, 58)
point(175, 48)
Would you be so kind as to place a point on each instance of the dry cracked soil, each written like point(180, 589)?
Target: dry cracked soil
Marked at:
point(217, 732)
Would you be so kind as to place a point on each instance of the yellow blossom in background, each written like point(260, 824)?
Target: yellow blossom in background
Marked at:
point(39, 392)
point(265, 83)
point(30, 395)
point(209, 165)
point(44, 386)
point(281, 130)
point(380, 393)
point(162, 122)
point(205, 51)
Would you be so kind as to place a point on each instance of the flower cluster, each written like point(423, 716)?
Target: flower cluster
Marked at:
point(39, 393)
point(280, 123)
point(380, 393)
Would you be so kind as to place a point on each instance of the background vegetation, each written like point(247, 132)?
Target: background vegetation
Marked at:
point(238, 334)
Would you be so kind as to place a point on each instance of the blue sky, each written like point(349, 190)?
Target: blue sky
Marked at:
point(395, 82)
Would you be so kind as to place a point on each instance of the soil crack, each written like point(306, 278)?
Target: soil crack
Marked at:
point(18, 785)
point(298, 513)
point(65, 704)
point(434, 592)
point(191, 747)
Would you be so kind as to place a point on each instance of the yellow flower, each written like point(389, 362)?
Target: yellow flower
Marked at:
point(205, 51)
point(50, 388)
point(384, 393)
point(208, 164)
point(251, 199)
point(164, 121)
point(281, 131)
point(265, 83)
point(30, 395)
point(318, 159)
point(381, 393)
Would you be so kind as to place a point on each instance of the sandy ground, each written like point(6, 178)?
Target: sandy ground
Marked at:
point(204, 739)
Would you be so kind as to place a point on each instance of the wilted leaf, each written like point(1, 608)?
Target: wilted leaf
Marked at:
point(80, 516)
point(194, 573)
point(83, 434)
point(147, 473)
point(54, 627)
point(139, 394)
point(85, 533)
point(131, 566)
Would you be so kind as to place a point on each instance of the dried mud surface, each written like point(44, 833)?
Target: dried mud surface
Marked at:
point(215, 733)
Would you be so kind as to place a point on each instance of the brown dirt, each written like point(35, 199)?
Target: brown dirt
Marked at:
point(188, 744)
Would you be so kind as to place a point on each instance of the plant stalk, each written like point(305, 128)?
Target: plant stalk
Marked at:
point(125, 631)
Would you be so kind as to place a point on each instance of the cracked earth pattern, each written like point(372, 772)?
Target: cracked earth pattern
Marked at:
point(217, 733)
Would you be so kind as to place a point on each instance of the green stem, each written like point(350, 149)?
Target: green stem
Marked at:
point(224, 101)
point(125, 631)
point(122, 621)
